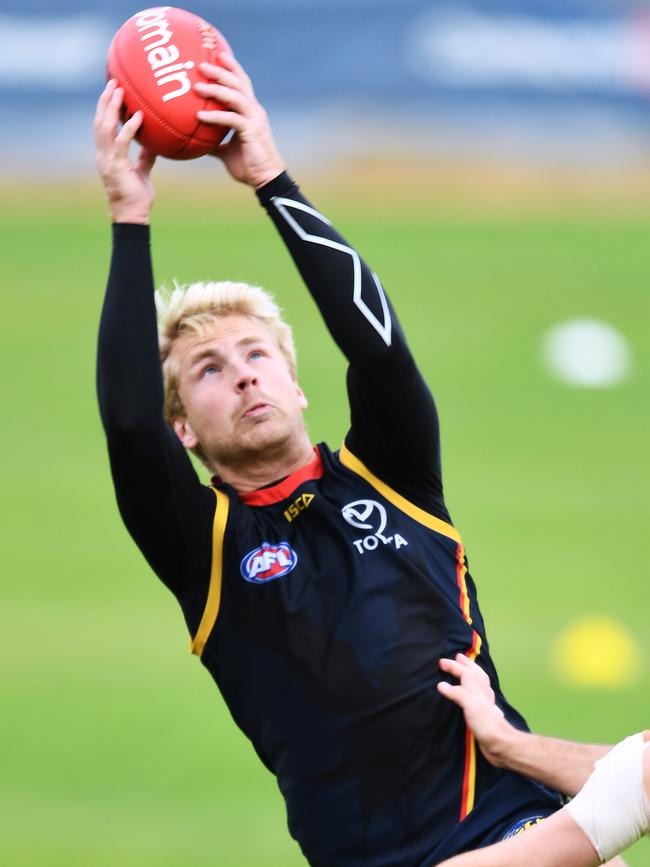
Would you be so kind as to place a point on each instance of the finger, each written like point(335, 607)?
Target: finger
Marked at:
point(472, 665)
point(225, 96)
point(229, 62)
point(131, 126)
point(104, 99)
point(127, 134)
point(453, 693)
point(229, 119)
point(469, 664)
point(108, 126)
point(217, 73)
point(451, 667)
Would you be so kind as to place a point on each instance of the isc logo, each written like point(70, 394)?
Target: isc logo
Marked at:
point(268, 562)
point(303, 502)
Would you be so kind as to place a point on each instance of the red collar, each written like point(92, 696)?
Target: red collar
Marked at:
point(282, 490)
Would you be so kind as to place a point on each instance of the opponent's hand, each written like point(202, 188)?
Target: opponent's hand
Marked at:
point(128, 187)
point(251, 155)
point(475, 696)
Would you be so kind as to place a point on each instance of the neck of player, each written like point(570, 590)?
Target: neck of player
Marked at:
point(259, 470)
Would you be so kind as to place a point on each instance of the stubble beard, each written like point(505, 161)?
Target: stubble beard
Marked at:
point(257, 444)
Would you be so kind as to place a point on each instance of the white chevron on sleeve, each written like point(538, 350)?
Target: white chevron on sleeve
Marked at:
point(382, 328)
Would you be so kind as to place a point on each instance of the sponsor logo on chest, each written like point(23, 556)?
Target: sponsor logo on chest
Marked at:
point(299, 505)
point(369, 515)
point(268, 562)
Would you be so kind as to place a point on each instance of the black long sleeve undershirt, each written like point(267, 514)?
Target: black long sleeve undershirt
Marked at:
point(394, 425)
point(162, 502)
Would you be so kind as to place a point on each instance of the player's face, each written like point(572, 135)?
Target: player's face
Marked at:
point(239, 395)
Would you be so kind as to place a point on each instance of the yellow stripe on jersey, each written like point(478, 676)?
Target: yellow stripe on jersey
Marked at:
point(353, 463)
point(477, 643)
point(214, 590)
point(461, 574)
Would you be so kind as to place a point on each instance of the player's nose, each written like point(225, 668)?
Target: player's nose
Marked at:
point(245, 377)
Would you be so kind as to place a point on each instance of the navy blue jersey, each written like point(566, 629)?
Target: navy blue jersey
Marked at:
point(327, 656)
point(322, 604)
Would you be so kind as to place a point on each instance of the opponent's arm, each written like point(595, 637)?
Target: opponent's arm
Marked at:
point(562, 765)
point(158, 492)
point(394, 422)
point(611, 807)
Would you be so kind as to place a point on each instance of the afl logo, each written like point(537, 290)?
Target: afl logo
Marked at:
point(268, 562)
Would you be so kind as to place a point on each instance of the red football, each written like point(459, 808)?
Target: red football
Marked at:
point(154, 57)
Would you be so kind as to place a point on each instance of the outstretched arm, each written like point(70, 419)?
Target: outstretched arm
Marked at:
point(166, 509)
point(394, 427)
point(562, 765)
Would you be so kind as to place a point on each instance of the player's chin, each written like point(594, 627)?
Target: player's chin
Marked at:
point(268, 434)
point(253, 435)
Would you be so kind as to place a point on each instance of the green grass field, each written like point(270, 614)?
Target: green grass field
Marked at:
point(117, 750)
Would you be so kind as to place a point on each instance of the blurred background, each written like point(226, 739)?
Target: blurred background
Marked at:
point(555, 80)
point(491, 160)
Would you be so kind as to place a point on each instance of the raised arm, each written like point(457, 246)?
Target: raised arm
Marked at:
point(562, 765)
point(160, 498)
point(394, 425)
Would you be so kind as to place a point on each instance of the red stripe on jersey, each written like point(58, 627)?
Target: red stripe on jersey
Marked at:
point(276, 493)
point(469, 777)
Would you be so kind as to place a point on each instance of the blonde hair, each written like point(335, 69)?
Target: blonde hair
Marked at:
point(194, 307)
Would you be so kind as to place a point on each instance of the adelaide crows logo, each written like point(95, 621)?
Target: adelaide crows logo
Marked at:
point(268, 562)
point(365, 515)
point(370, 515)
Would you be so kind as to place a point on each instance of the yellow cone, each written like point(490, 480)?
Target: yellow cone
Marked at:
point(596, 652)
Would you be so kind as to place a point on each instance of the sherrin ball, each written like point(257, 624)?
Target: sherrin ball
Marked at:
point(155, 58)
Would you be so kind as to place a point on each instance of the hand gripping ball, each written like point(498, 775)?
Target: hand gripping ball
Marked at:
point(155, 58)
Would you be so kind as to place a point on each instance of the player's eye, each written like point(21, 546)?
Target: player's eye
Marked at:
point(254, 354)
point(210, 370)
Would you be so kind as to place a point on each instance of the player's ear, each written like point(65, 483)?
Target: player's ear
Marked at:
point(184, 432)
point(302, 399)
